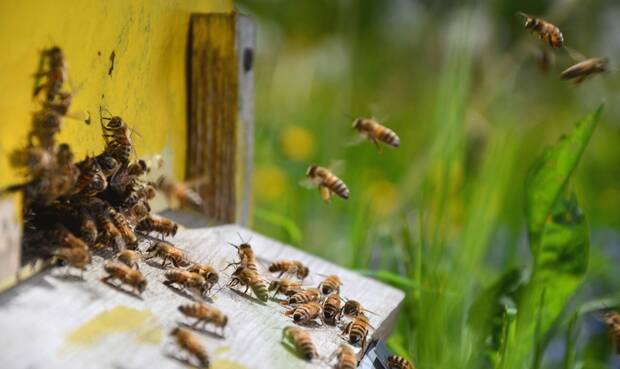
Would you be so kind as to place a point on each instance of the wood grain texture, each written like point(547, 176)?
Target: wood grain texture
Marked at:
point(55, 321)
point(220, 113)
point(10, 237)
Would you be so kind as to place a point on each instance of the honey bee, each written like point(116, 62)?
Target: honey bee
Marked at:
point(357, 330)
point(129, 258)
point(138, 212)
point(65, 239)
point(285, 287)
point(247, 258)
point(352, 308)
point(546, 31)
point(109, 232)
point(126, 275)
point(117, 136)
point(346, 357)
point(46, 124)
point(163, 226)
point(303, 296)
point(250, 279)
point(301, 341)
point(585, 69)
point(179, 194)
point(612, 319)
point(304, 313)
point(331, 309)
point(109, 166)
point(291, 267)
point(207, 272)
point(327, 182)
point(330, 284)
point(88, 228)
point(37, 160)
point(190, 343)
point(204, 314)
point(398, 362)
point(372, 130)
point(185, 279)
point(55, 74)
point(121, 223)
point(59, 105)
point(138, 192)
point(166, 252)
point(91, 180)
point(77, 257)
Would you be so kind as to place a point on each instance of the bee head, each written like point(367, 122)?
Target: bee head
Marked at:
point(303, 272)
point(153, 247)
point(273, 285)
point(224, 321)
point(244, 247)
point(142, 285)
point(603, 64)
point(297, 317)
point(326, 290)
point(311, 171)
point(108, 164)
point(175, 331)
point(357, 123)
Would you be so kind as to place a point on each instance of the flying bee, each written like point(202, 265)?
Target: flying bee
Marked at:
point(185, 279)
point(250, 279)
point(190, 343)
point(247, 258)
point(357, 330)
point(167, 251)
point(55, 74)
point(372, 130)
point(331, 309)
point(585, 69)
point(121, 223)
point(346, 357)
point(293, 267)
point(161, 225)
point(398, 362)
point(285, 287)
point(612, 319)
point(352, 308)
point(129, 258)
point(74, 257)
point(327, 182)
point(204, 314)
point(303, 296)
point(546, 31)
point(46, 124)
point(124, 274)
point(207, 272)
point(301, 341)
point(304, 313)
point(330, 284)
point(180, 194)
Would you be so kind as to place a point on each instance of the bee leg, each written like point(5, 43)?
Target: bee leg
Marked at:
point(281, 274)
point(246, 289)
point(163, 262)
point(376, 142)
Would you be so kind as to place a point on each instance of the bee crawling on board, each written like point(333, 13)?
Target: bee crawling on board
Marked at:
point(357, 330)
point(546, 31)
point(352, 308)
point(250, 279)
point(164, 226)
point(284, 286)
point(326, 182)
point(74, 257)
point(292, 267)
point(129, 258)
point(331, 309)
point(124, 274)
point(184, 279)
point(398, 362)
point(585, 69)
point(190, 343)
point(304, 313)
point(301, 341)
point(205, 314)
point(331, 284)
point(166, 251)
point(208, 272)
point(247, 258)
point(374, 131)
point(303, 296)
point(345, 357)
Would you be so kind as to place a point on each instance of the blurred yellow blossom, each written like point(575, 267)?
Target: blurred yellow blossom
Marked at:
point(297, 143)
point(269, 182)
point(383, 198)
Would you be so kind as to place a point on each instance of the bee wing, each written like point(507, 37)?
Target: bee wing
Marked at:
point(358, 139)
point(574, 54)
point(337, 166)
point(307, 183)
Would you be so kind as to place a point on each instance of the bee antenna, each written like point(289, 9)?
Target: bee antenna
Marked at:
point(233, 245)
point(520, 13)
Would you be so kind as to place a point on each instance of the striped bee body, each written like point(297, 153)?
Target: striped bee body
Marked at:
point(331, 309)
point(190, 343)
point(185, 279)
point(357, 330)
point(546, 31)
point(346, 357)
point(124, 274)
point(290, 267)
point(612, 319)
point(250, 279)
point(398, 362)
point(166, 252)
point(327, 182)
point(204, 314)
point(376, 132)
point(303, 296)
point(305, 313)
point(302, 342)
point(330, 284)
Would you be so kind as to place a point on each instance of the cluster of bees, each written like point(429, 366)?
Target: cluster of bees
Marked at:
point(552, 36)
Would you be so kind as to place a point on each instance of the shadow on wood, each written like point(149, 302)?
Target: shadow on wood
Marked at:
point(121, 289)
point(247, 296)
point(203, 331)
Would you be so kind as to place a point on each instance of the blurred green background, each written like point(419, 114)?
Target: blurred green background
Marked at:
point(443, 215)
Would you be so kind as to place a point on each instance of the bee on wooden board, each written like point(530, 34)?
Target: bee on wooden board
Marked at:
point(352, 308)
point(207, 272)
point(76, 257)
point(205, 314)
point(345, 357)
point(247, 258)
point(327, 182)
point(126, 275)
point(612, 319)
point(330, 284)
point(398, 362)
point(546, 31)
point(585, 69)
point(185, 279)
point(301, 341)
point(292, 267)
point(284, 286)
point(64, 238)
point(55, 74)
point(179, 194)
point(374, 131)
point(190, 343)
point(357, 330)
point(303, 296)
point(129, 258)
point(109, 232)
point(331, 309)
point(304, 313)
point(122, 225)
point(167, 251)
point(250, 279)
point(161, 225)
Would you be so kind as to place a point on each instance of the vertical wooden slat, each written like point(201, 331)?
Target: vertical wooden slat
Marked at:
point(10, 236)
point(219, 142)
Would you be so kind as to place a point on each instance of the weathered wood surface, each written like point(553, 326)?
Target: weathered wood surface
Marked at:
point(10, 237)
point(54, 321)
point(220, 113)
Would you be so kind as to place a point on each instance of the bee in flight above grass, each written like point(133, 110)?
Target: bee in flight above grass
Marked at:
point(326, 181)
point(374, 131)
point(585, 69)
point(546, 31)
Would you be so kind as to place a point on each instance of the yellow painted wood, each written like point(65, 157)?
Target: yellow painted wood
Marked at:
point(147, 86)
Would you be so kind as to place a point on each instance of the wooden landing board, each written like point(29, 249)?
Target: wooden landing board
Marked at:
point(53, 321)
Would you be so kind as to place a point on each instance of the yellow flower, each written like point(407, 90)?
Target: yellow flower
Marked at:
point(269, 182)
point(383, 198)
point(297, 143)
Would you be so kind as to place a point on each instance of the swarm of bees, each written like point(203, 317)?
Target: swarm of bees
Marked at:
point(551, 35)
